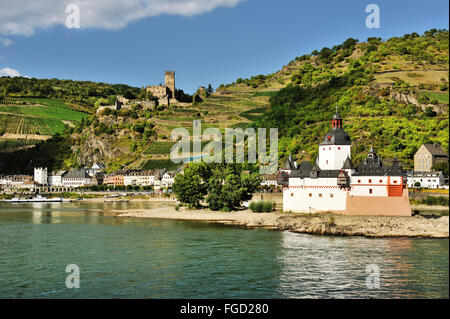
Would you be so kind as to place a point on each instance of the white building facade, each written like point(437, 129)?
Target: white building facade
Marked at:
point(432, 180)
point(334, 184)
point(40, 175)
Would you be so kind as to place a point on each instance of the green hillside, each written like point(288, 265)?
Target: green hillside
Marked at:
point(393, 94)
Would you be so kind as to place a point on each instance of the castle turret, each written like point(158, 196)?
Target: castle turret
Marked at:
point(335, 147)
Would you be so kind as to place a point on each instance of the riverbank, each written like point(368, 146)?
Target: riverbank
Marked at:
point(320, 223)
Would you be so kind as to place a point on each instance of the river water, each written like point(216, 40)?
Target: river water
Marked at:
point(145, 258)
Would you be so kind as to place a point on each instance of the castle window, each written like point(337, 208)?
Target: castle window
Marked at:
point(331, 195)
point(310, 194)
point(359, 181)
point(381, 181)
point(395, 182)
point(370, 181)
point(320, 195)
point(329, 148)
point(370, 190)
point(324, 148)
point(339, 147)
point(292, 194)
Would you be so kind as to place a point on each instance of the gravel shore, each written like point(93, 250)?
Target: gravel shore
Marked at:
point(319, 223)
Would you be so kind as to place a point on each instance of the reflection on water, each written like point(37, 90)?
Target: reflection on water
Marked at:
point(144, 258)
point(335, 267)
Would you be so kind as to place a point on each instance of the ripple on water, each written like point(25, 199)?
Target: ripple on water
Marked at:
point(143, 258)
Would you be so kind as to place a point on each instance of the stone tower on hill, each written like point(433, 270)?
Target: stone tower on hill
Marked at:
point(169, 79)
point(164, 93)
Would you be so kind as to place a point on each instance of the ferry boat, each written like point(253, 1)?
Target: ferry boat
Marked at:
point(35, 199)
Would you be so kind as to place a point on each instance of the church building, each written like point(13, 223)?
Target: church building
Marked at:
point(334, 184)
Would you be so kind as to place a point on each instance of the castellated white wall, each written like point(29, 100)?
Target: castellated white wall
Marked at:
point(333, 156)
point(373, 185)
point(40, 175)
point(320, 194)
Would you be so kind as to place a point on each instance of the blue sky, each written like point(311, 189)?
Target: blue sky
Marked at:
point(248, 38)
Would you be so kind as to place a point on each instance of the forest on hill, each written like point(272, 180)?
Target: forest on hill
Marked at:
point(81, 95)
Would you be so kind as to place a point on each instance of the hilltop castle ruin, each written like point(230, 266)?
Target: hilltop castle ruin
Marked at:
point(164, 93)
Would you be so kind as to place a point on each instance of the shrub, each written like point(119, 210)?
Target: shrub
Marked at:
point(262, 206)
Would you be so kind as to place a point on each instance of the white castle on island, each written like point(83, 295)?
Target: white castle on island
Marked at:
point(334, 184)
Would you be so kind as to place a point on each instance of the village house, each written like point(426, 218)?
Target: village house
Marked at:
point(96, 168)
point(17, 182)
point(167, 180)
point(55, 178)
point(77, 178)
point(426, 180)
point(269, 180)
point(427, 156)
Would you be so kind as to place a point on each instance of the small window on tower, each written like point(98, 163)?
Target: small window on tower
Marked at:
point(339, 147)
point(310, 194)
point(381, 181)
point(359, 181)
point(370, 190)
point(292, 194)
point(370, 181)
point(331, 195)
point(320, 195)
point(329, 148)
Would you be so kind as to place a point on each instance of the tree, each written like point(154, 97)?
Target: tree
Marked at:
point(209, 90)
point(229, 186)
point(191, 187)
point(429, 112)
point(129, 94)
point(222, 186)
point(441, 166)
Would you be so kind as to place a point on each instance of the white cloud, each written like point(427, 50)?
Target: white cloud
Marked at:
point(23, 17)
point(6, 42)
point(11, 72)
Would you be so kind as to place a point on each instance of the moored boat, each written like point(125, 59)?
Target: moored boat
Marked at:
point(35, 199)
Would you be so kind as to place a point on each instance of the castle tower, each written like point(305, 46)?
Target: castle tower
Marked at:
point(169, 79)
point(335, 147)
point(40, 175)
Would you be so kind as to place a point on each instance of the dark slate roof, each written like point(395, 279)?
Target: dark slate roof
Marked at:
point(373, 166)
point(303, 170)
point(336, 136)
point(435, 149)
point(305, 166)
point(77, 173)
point(329, 173)
point(289, 164)
point(348, 164)
point(396, 169)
